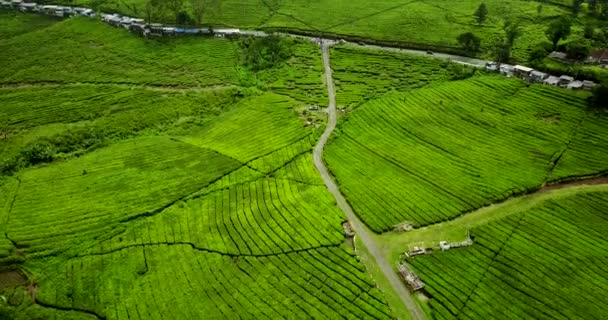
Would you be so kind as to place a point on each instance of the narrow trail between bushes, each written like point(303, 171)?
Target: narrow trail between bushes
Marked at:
point(360, 230)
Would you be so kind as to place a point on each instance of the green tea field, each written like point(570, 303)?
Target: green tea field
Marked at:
point(543, 262)
point(254, 175)
point(165, 180)
point(433, 23)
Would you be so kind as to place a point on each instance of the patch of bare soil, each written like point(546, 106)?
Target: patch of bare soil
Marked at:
point(574, 183)
point(12, 278)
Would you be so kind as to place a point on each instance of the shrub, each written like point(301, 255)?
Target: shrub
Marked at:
point(263, 53)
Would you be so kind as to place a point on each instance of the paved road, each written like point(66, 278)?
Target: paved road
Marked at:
point(360, 230)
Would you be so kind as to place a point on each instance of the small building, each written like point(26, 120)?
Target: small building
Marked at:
point(410, 277)
point(552, 81)
point(560, 56)
point(491, 66)
point(538, 76)
point(599, 57)
point(565, 80)
point(575, 85)
point(506, 69)
point(27, 7)
point(227, 32)
point(50, 9)
point(588, 85)
point(416, 251)
point(85, 12)
point(156, 29)
point(169, 31)
point(444, 245)
point(348, 229)
point(522, 71)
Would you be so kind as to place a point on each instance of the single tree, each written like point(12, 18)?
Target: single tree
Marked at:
point(198, 10)
point(512, 32)
point(469, 42)
point(558, 30)
point(593, 4)
point(539, 52)
point(539, 9)
point(175, 6)
point(481, 13)
point(576, 6)
point(599, 98)
point(153, 9)
point(577, 50)
point(589, 32)
point(502, 51)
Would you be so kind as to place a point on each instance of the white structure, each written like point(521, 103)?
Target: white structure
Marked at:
point(552, 81)
point(506, 69)
point(538, 76)
point(574, 85)
point(588, 85)
point(565, 80)
point(444, 245)
point(522, 71)
point(491, 66)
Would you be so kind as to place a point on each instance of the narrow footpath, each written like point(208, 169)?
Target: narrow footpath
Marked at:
point(358, 226)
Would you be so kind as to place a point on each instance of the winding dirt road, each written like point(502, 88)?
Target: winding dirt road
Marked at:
point(358, 226)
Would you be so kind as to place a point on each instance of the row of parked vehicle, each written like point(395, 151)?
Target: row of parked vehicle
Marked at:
point(134, 25)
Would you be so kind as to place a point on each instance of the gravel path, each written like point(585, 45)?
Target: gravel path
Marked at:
point(358, 226)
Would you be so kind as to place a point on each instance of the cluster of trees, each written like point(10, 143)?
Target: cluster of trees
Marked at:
point(560, 29)
point(502, 49)
point(265, 52)
point(154, 10)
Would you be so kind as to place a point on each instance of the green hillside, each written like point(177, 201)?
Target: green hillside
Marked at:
point(434, 23)
point(165, 179)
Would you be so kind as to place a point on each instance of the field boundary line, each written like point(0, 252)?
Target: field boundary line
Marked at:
point(69, 309)
point(372, 14)
point(383, 263)
point(151, 87)
point(195, 247)
point(566, 147)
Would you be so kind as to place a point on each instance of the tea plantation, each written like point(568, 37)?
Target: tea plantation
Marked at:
point(165, 180)
point(422, 24)
point(433, 153)
point(547, 261)
point(173, 177)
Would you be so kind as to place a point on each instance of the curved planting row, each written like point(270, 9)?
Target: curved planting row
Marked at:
point(431, 154)
point(362, 74)
point(68, 204)
point(162, 282)
point(266, 216)
point(546, 262)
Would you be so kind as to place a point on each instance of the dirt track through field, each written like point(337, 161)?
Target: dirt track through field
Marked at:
point(358, 226)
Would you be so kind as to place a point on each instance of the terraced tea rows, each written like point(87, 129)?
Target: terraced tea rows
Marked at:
point(361, 75)
point(166, 198)
point(431, 154)
point(176, 281)
point(544, 262)
point(83, 50)
point(586, 152)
